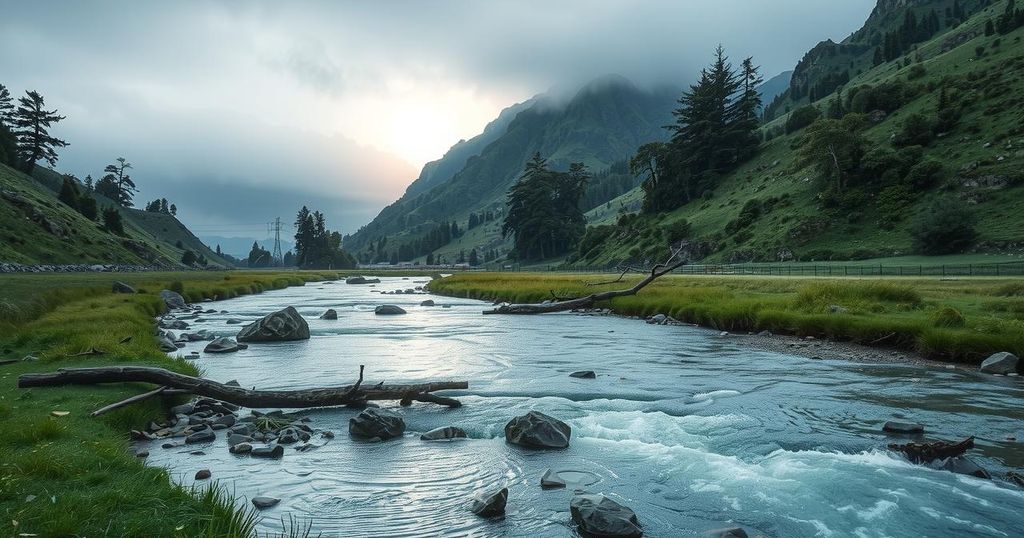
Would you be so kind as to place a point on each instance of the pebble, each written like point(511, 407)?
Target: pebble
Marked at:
point(264, 502)
point(203, 474)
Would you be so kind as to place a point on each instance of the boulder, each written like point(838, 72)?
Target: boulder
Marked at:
point(374, 424)
point(361, 280)
point(166, 344)
point(440, 434)
point(203, 474)
point(491, 504)
point(205, 436)
point(428, 302)
point(272, 452)
point(537, 430)
point(233, 321)
point(281, 326)
point(121, 287)
point(331, 314)
point(223, 344)
point(658, 319)
point(240, 448)
point(729, 532)
point(551, 480)
point(584, 374)
point(965, 466)
point(1000, 363)
point(264, 502)
point(894, 426)
point(388, 310)
point(173, 299)
point(597, 515)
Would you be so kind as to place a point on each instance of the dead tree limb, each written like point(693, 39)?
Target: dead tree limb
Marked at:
point(320, 397)
point(929, 452)
point(128, 401)
point(617, 280)
point(658, 270)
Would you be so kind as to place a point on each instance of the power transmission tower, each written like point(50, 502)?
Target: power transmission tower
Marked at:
point(276, 228)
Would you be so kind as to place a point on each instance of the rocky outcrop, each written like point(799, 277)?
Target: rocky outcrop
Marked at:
point(490, 504)
point(597, 515)
point(1000, 363)
point(376, 425)
point(173, 300)
point(537, 430)
point(281, 326)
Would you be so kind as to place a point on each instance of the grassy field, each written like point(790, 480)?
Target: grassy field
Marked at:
point(74, 475)
point(961, 320)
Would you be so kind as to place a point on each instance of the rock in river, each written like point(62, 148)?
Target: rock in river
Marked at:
point(205, 436)
point(551, 480)
point(361, 280)
point(894, 426)
point(597, 515)
point(584, 374)
point(440, 434)
point(223, 344)
point(264, 502)
point(376, 425)
point(428, 302)
point(1000, 363)
point(281, 326)
point(490, 504)
point(537, 430)
point(388, 310)
point(272, 452)
point(172, 299)
point(331, 314)
point(203, 474)
point(965, 466)
point(729, 532)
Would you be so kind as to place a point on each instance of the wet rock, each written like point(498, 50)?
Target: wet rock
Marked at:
point(551, 480)
point(376, 425)
point(537, 430)
point(281, 326)
point(205, 436)
point(262, 503)
point(121, 287)
point(223, 344)
point(965, 466)
point(170, 445)
point(730, 532)
point(330, 314)
point(447, 432)
point(490, 504)
point(894, 426)
point(271, 452)
point(240, 448)
point(1015, 478)
point(361, 280)
point(226, 421)
point(142, 454)
point(657, 319)
point(233, 321)
point(1000, 363)
point(388, 310)
point(597, 515)
point(584, 374)
point(428, 302)
point(203, 474)
point(167, 345)
point(764, 333)
point(173, 299)
point(237, 439)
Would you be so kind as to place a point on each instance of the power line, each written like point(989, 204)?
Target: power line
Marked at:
point(276, 228)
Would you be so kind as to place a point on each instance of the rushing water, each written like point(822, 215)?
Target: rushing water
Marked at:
point(692, 430)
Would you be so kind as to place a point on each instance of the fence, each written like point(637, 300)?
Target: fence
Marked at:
point(836, 269)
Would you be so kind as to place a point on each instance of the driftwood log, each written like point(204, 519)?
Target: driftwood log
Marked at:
point(180, 383)
point(562, 304)
point(929, 452)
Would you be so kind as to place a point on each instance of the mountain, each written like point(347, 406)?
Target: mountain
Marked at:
point(944, 129)
point(601, 124)
point(774, 86)
point(37, 228)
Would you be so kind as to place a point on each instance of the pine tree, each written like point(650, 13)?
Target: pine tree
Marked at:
point(88, 183)
point(742, 120)
point(116, 184)
point(68, 194)
point(112, 221)
point(31, 128)
point(474, 259)
point(990, 28)
point(174, 210)
point(878, 59)
point(6, 107)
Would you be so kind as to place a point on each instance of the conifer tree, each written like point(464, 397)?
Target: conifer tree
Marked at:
point(6, 107)
point(116, 184)
point(31, 128)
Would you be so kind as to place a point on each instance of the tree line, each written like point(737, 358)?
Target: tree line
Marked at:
point(544, 216)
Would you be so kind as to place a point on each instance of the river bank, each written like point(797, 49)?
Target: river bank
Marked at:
point(946, 320)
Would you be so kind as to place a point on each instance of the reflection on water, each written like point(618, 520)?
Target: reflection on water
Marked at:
point(692, 430)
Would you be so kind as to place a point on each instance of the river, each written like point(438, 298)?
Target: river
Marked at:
point(691, 429)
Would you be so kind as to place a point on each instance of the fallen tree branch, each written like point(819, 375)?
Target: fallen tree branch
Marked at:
point(319, 397)
point(588, 301)
point(128, 401)
point(929, 452)
point(617, 280)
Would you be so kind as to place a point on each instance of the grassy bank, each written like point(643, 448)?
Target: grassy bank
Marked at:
point(961, 320)
point(76, 475)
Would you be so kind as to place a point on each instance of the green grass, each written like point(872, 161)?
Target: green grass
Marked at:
point(75, 475)
point(961, 320)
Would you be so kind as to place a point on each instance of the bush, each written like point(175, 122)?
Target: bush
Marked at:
point(948, 317)
point(892, 201)
point(676, 231)
point(924, 174)
point(945, 227)
point(594, 238)
point(188, 258)
point(916, 130)
point(916, 72)
point(176, 287)
point(112, 221)
point(801, 117)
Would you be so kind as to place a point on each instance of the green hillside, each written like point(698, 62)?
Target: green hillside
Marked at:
point(774, 207)
point(37, 228)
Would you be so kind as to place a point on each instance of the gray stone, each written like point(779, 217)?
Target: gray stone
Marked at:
point(281, 326)
point(730, 532)
point(361, 280)
point(262, 503)
point(272, 452)
point(1000, 363)
point(894, 426)
point(584, 374)
point(376, 425)
point(121, 287)
point(223, 344)
point(537, 430)
point(551, 480)
point(598, 515)
point(490, 504)
point(240, 448)
point(658, 319)
point(203, 474)
point(331, 314)
point(965, 466)
point(173, 299)
point(167, 345)
point(233, 321)
point(388, 310)
point(205, 436)
point(226, 420)
point(428, 302)
point(236, 439)
point(440, 434)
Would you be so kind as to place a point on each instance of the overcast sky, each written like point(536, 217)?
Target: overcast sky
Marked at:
point(240, 112)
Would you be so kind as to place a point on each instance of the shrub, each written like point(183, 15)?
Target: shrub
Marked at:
point(915, 130)
point(924, 174)
point(945, 227)
point(801, 117)
point(676, 231)
point(916, 72)
point(892, 201)
point(947, 317)
point(112, 221)
point(176, 287)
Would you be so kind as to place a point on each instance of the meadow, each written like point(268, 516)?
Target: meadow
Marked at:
point(958, 320)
